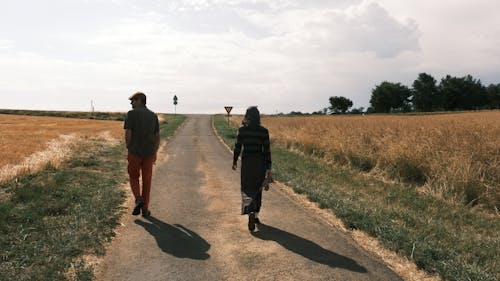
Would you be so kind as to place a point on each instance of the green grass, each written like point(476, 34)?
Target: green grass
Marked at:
point(170, 124)
point(50, 219)
point(55, 216)
point(455, 241)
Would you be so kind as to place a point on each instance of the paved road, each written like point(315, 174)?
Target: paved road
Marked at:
point(196, 232)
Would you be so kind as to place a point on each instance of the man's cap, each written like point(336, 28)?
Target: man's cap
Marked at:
point(137, 95)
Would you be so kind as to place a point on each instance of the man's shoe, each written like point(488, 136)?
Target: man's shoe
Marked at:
point(251, 222)
point(146, 213)
point(138, 205)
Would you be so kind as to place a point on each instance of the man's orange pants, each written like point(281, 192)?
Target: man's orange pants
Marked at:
point(136, 165)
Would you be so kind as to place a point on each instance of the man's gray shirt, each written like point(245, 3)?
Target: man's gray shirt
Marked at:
point(144, 125)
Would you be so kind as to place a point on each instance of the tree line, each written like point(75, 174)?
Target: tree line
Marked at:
point(425, 95)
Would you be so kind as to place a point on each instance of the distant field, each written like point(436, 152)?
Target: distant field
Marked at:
point(455, 156)
point(119, 116)
point(23, 136)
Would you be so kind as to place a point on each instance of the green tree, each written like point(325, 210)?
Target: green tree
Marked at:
point(323, 111)
point(426, 96)
point(462, 93)
point(451, 90)
point(339, 104)
point(390, 97)
point(359, 110)
point(493, 94)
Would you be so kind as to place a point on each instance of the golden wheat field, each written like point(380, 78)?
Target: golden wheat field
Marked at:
point(28, 139)
point(456, 156)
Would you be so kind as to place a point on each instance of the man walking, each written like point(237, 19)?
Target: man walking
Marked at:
point(142, 136)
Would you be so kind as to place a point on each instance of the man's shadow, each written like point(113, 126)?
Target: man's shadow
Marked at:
point(176, 239)
point(307, 248)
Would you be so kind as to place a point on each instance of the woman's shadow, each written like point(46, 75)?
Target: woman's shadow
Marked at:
point(307, 248)
point(176, 239)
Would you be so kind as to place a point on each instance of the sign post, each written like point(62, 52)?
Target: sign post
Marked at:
point(175, 104)
point(228, 110)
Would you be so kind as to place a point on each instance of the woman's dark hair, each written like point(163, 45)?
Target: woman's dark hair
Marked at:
point(252, 117)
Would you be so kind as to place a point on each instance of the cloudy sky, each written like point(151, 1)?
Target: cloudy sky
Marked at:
point(281, 55)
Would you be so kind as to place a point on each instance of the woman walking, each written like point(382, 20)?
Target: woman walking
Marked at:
point(255, 164)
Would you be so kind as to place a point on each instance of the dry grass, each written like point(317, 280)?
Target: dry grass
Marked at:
point(31, 142)
point(454, 156)
point(455, 241)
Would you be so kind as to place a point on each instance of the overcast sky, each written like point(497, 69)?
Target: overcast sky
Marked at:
point(281, 55)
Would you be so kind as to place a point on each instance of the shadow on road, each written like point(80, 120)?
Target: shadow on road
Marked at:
point(307, 248)
point(176, 239)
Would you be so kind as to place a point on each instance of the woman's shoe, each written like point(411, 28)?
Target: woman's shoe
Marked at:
point(251, 222)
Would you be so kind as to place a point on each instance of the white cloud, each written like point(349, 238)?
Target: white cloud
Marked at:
point(280, 55)
point(6, 44)
point(362, 28)
point(458, 37)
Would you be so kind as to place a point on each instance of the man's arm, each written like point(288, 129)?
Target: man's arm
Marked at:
point(128, 137)
point(157, 134)
point(128, 126)
point(157, 141)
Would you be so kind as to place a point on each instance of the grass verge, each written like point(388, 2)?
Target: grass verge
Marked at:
point(51, 219)
point(455, 241)
point(170, 123)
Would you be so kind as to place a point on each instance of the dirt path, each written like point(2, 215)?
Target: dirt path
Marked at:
point(196, 232)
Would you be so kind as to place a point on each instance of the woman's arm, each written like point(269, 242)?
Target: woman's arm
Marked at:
point(237, 149)
point(267, 151)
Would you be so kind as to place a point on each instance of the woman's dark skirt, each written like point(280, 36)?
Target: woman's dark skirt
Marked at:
point(253, 171)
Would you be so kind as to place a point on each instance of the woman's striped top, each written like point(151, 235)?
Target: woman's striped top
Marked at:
point(254, 141)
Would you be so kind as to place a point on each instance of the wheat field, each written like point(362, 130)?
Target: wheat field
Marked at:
point(454, 156)
point(30, 142)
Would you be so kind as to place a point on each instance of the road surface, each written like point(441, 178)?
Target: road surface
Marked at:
point(196, 231)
